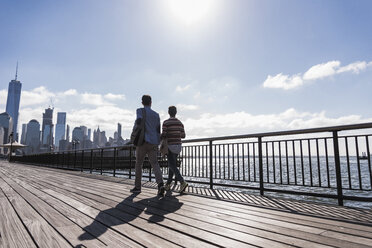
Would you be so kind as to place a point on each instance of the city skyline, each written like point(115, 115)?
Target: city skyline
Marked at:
point(231, 67)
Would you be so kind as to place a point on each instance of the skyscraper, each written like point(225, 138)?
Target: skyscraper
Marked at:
point(47, 129)
point(60, 128)
point(119, 130)
point(12, 103)
point(68, 133)
point(23, 135)
point(33, 137)
point(6, 122)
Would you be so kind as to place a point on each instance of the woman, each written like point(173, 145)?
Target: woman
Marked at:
point(173, 131)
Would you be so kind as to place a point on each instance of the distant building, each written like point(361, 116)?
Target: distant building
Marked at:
point(68, 133)
point(47, 129)
point(119, 131)
point(89, 134)
point(33, 137)
point(99, 138)
point(64, 145)
point(78, 134)
point(12, 103)
point(6, 122)
point(60, 128)
point(1, 139)
point(80, 137)
point(23, 135)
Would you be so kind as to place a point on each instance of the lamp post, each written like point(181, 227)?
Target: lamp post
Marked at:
point(11, 146)
point(74, 143)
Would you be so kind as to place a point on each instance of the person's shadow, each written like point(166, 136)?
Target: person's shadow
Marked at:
point(127, 210)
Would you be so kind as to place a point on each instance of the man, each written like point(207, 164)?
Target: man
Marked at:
point(150, 146)
point(173, 131)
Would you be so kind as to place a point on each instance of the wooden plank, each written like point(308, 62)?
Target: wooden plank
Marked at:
point(12, 231)
point(172, 220)
point(100, 231)
point(193, 218)
point(254, 225)
point(79, 190)
point(189, 230)
point(143, 237)
point(43, 234)
point(217, 212)
point(69, 230)
point(349, 237)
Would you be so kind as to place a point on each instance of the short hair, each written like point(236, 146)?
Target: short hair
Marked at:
point(146, 100)
point(172, 111)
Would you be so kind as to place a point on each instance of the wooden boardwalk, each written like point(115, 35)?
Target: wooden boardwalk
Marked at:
point(44, 207)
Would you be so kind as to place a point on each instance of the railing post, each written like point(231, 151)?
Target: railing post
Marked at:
point(75, 160)
point(148, 162)
point(82, 160)
point(130, 162)
point(260, 165)
point(91, 161)
point(211, 164)
point(114, 161)
point(101, 160)
point(338, 169)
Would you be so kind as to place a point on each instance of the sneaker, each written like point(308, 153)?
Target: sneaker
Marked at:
point(135, 190)
point(183, 186)
point(161, 189)
point(167, 187)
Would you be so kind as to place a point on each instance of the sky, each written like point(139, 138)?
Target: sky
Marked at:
point(230, 66)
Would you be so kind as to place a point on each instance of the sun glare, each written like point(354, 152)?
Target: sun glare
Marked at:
point(190, 12)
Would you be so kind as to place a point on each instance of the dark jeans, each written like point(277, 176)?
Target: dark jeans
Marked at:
point(172, 168)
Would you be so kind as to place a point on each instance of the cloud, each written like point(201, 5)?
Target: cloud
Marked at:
point(183, 107)
point(70, 92)
point(322, 70)
point(283, 81)
point(245, 123)
point(37, 96)
point(92, 99)
point(316, 72)
point(113, 97)
point(355, 67)
point(182, 89)
point(3, 96)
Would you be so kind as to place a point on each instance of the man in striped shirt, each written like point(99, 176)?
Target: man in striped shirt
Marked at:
point(173, 131)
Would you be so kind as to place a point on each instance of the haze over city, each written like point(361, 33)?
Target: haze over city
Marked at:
point(236, 68)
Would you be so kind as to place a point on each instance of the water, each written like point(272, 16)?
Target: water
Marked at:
point(307, 175)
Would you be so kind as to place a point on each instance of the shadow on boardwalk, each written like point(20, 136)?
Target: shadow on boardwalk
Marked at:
point(127, 211)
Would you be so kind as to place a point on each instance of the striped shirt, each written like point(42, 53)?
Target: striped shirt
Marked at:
point(173, 130)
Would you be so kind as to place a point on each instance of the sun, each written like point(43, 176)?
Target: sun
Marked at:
point(190, 12)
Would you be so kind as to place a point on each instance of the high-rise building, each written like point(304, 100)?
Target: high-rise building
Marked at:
point(23, 135)
point(78, 137)
point(99, 138)
point(12, 103)
point(47, 128)
point(89, 134)
point(119, 131)
point(60, 128)
point(6, 122)
point(33, 137)
point(1, 139)
point(68, 133)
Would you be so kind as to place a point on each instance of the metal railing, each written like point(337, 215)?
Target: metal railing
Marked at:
point(319, 162)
